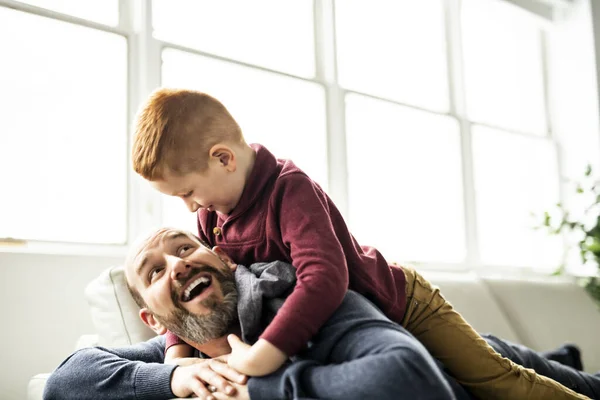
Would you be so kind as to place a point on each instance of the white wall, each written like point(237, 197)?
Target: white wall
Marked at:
point(43, 312)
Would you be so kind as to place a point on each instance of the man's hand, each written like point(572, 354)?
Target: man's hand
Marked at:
point(197, 377)
point(258, 360)
point(241, 393)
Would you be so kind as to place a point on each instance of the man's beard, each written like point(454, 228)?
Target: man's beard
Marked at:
point(203, 328)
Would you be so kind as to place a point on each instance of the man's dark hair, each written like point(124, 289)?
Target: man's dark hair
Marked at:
point(136, 296)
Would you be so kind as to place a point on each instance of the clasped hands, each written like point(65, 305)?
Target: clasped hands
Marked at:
point(222, 377)
point(208, 379)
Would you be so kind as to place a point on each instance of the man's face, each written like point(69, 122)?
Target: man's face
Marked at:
point(188, 289)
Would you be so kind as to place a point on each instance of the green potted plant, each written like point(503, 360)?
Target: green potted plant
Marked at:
point(583, 225)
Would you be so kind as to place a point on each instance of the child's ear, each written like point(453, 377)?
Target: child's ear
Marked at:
point(148, 319)
point(224, 257)
point(225, 155)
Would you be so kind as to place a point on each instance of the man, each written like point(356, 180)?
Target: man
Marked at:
point(203, 297)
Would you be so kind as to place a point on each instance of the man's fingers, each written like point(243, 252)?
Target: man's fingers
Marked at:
point(223, 369)
point(222, 396)
point(201, 391)
point(215, 378)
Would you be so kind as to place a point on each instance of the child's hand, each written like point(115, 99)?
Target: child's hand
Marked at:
point(240, 353)
point(260, 359)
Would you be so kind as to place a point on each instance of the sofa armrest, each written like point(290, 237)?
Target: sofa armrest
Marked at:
point(35, 388)
point(87, 341)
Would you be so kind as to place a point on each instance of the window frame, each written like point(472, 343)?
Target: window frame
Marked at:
point(144, 75)
point(123, 29)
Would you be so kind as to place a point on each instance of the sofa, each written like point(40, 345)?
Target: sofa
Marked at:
point(541, 313)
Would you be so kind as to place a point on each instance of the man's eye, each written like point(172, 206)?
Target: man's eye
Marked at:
point(188, 194)
point(154, 273)
point(183, 249)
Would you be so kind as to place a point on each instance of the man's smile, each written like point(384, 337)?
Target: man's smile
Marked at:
point(200, 285)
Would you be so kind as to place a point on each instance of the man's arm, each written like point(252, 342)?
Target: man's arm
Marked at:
point(132, 372)
point(137, 372)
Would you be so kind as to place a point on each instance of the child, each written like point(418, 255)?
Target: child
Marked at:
point(259, 208)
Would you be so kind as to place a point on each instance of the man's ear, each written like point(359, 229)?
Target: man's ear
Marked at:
point(148, 319)
point(224, 155)
point(224, 257)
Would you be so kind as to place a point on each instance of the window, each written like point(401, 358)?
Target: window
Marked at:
point(515, 175)
point(378, 51)
point(404, 169)
point(427, 121)
point(504, 73)
point(270, 33)
point(102, 11)
point(63, 146)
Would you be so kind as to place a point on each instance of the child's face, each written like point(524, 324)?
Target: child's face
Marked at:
point(216, 189)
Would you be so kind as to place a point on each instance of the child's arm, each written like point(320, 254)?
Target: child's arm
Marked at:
point(307, 223)
point(260, 359)
point(180, 354)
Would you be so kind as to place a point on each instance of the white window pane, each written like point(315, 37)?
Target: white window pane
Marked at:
point(271, 33)
point(284, 114)
point(63, 141)
point(393, 49)
point(102, 11)
point(515, 175)
point(176, 215)
point(503, 66)
point(405, 182)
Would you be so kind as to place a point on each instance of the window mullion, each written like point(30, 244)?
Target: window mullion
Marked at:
point(458, 110)
point(595, 11)
point(144, 52)
point(544, 43)
point(326, 72)
point(60, 16)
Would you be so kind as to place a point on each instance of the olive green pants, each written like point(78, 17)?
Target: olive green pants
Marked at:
point(468, 357)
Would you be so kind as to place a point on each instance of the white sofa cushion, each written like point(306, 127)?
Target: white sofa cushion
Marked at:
point(546, 314)
point(470, 296)
point(35, 387)
point(113, 310)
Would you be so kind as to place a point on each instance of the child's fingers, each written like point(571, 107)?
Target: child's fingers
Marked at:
point(234, 341)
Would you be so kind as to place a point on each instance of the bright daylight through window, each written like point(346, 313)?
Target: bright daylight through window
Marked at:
point(428, 122)
point(64, 131)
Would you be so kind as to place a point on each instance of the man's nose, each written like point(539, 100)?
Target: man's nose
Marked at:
point(179, 268)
